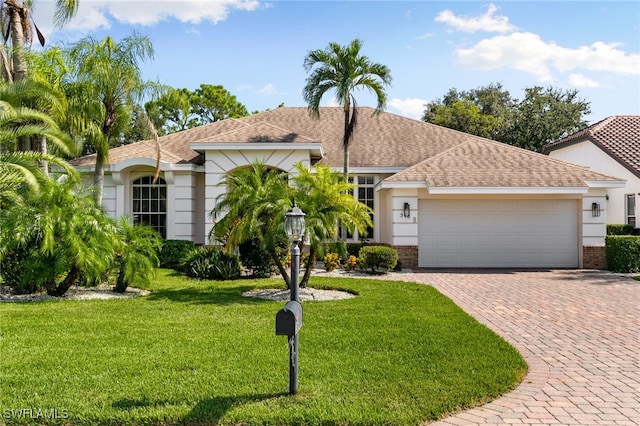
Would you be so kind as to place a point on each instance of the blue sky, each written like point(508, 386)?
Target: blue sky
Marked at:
point(255, 49)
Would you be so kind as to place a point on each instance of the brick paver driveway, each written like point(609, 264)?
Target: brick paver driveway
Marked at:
point(578, 331)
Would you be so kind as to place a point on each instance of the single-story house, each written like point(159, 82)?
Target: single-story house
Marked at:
point(612, 147)
point(441, 197)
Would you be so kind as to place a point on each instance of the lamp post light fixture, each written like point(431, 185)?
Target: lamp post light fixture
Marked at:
point(289, 319)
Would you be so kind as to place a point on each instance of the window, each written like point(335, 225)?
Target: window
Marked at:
point(150, 203)
point(363, 192)
point(630, 209)
point(365, 196)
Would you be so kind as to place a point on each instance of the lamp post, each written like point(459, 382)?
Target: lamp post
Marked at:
point(294, 227)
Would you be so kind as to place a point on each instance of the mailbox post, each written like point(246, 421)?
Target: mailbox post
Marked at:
point(289, 318)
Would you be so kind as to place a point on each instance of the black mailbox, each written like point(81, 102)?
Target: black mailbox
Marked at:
point(289, 319)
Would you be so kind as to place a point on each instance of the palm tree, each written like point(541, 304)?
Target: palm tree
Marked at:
point(326, 199)
point(17, 22)
point(108, 82)
point(137, 254)
point(56, 237)
point(344, 70)
point(254, 205)
point(16, 122)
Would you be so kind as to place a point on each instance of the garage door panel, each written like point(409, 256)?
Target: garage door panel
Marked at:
point(498, 233)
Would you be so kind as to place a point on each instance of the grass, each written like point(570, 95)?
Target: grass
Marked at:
point(199, 353)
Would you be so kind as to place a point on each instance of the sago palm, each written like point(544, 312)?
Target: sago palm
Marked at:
point(343, 70)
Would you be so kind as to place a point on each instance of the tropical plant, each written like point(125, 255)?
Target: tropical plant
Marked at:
point(17, 122)
point(61, 232)
point(254, 205)
point(16, 23)
point(211, 263)
point(107, 83)
point(326, 200)
point(344, 70)
point(137, 254)
point(256, 200)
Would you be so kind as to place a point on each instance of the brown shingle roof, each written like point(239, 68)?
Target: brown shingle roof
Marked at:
point(439, 156)
point(618, 136)
point(259, 132)
point(486, 163)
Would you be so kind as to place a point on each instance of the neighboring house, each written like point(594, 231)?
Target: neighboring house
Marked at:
point(443, 198)
point(612, 147)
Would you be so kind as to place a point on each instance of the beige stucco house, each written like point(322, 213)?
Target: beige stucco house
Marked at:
point(612, 147)
point(443, 198)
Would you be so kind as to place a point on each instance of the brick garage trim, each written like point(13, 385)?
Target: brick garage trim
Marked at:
point(594, 257)
point(408, 256)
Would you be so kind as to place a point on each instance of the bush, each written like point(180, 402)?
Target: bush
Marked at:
point(331, 261)
point(619, 229)
point(211, 263)
point(173, 252)
point(256, 259)
point(350, 264)
point(623, 253)
point(377, 258)
point(353, 249)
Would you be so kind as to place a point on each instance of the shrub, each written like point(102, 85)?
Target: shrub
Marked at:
point(623, 253)
point(173, 252)
point(353, 249)
point(619, 229)
point(377, 258)
point(331, 261)
point(256, 259)
point(350, 264)
point(211, 263)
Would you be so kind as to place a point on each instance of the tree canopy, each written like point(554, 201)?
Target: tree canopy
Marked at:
point(544, 115)
point(181, 109)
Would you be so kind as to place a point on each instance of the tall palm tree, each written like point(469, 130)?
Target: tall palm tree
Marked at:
point(344, 70)
point(108, 82)
point(326, 199)
point(16, 22)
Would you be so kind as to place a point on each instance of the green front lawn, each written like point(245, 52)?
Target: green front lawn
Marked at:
point(197, 352)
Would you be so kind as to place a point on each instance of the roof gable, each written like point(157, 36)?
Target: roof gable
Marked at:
point(618, 136)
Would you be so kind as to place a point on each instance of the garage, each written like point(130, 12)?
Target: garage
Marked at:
point(479, 233)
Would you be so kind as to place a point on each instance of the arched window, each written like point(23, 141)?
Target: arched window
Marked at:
point(150, 203)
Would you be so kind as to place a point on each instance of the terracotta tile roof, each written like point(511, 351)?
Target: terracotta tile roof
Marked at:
point(485, 163)
point(618, 136)
point(439, 156)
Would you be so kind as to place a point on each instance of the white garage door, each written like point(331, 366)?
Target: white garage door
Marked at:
point(498, 233)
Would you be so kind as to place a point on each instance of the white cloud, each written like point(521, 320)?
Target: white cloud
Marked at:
point(471, 24)
point(268, 90)
point(409, 107)
point(529, 53)
point(94, 14)
point(579, 80)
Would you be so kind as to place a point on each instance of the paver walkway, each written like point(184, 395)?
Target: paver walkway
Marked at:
point(577, 330)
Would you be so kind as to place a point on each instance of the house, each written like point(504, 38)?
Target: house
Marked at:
point(442, 198)
point(612, 147)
